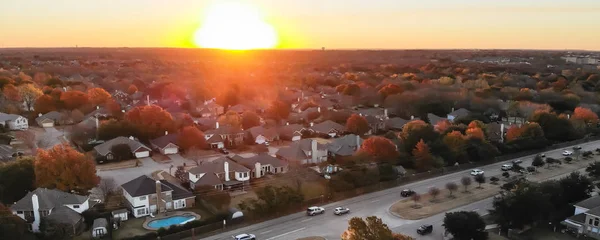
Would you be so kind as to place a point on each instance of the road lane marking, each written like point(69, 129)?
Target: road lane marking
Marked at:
point(265, 232)
point(376, 200)
point(306, 220)
point(287, 233)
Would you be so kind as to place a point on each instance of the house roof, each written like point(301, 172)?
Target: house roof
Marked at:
point(208, 179)
point(165, 140)
point(105, 147)
point(8, 117)
point(54, 116)
point(214, 139)
point(263, 159)
point(434, 119)
point(594, 211)
point(240, 108)
point(206, 121)
point(64, 214)
point(178, 191)
point(371, 111)
point(289, 130)
point(589, 203)
point(217, 166)
point(6, 153)
point(327, 127)
point(395, 123)
point(100, 223)
point(97, 112)
point(225, 129)
point(346, 145)
point(48, 199)
point(579, 218)
point(461, 112)
point(143, 185)
point(268, 133)
point(297, 150)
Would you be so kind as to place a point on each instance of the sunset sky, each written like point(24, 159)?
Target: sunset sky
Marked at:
point(334, 24)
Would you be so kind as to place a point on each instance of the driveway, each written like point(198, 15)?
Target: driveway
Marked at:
point(48, 138)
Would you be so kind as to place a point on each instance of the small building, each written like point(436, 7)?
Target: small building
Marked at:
point(166, 144)
point(99, 228)
point(262, 164)
point(49, 119)
point(120, 214)
point(345, 146)
point(13, 121)
point(459, 113)
point(328, 127)
point(291, 132)
point(260, 134)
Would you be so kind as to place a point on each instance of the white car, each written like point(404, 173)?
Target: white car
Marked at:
point(341, 210)
point(245, 236)
point(506, 167)
point(567, 153)
point(476, 172)
point(311, 211)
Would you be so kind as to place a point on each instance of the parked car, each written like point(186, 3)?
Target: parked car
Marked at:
point(476, 172)
point(223, 151)
point(341, 211)
point(506, 167)
point(543, 155)
point(311, 211)
point(577, 148)
point(518, 161)
point(267, 144)
point(407, 193)
point(425, 229)
point(567, 153)
point(245, 236)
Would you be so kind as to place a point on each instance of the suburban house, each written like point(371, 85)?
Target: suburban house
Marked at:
point(138, 150)
point(455, 114)
point(222, 174)
point(586, 218)
point(291, 132)
point(49, 119)
point(344, 146)
point(262, 164)
point(13, 121)
point(223, 136)
point(240, 108)
point(260, 134)
point(54, 205)
point(434, 119)
point(327, 127)
point(375, 124)
point(210, 109)
point(7, 153)
point(205, 123)
point(305, 151)
point(144, 196)
point(166, 144)
point(380, 113)
point(495, 132)
point(395, 124)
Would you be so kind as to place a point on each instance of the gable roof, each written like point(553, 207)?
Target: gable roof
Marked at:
point(143, 185)
point(461, 112)
point(226, 129)
point(240, 108)
point(297, 150)
point(434, 119)
point(8, 117)
point(54, 115)
point(64, 214)
point(346, 145)
point(269, 133)
point(327, 126)
point(289, 130)
point(218, 166)
point(395, 123)
point(47, 199)
point(263, 159)
point(165, 140)
point(178, 191)
point(6, 153)
point(589, 203)
point(105, 147)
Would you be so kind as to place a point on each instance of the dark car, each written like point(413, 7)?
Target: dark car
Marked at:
point(223, 151)
point(425, 229)
point(407, 193)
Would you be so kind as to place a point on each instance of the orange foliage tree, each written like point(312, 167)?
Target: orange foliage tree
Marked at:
point(475, 133)
point(531, 130)
point(132, 89)
point(423, 159)
point(98, 96)
point(249, 120)
point(29, 93)
point(390, 89)
point(74, 99)
point(513, 133)
point(585, 115)
point(11, 93)
point(379, 148)
point(113, 108)
point(45, 104)
point(66, 169)
point(357, 124)
point(455, 141)
point(150, 121)
point(191, 137)
point(442, 126)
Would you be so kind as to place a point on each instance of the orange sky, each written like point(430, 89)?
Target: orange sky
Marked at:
point(375, 24)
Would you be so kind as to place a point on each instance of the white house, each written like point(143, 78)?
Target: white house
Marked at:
point(221, 173)
point(57, 205)
point(13, 121)
point(145, 195)
point(166, 144)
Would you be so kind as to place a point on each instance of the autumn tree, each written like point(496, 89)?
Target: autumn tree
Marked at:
point(442, 126)
point(150, 121)
point(455, 141)
point(370, 229)
point(380, 149)
point(585, 115)
point(11, 93)
point(29, 93)
point(74, 99)
point(390, 89)
point(11, 225)
point(249, 120)
point(191, 137)
point(357, 124)
point(16, 179)
point(415, 131)
point(113, 108)
point(98, 96)
point(231, 118)
point(476, 133)
point(66, 169)
point(115, 128)
point(132, 89)
point(424, 161)
point(279, 110)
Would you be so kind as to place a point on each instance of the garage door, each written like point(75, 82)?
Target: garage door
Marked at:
point(46, 125)
point(296, 138)
point(142, 154)
point(170, 150)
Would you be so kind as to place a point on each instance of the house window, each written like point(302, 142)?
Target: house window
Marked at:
point(75, 206)
point(142, 198)
point(596, 221)
point(44, 213)
point(141, 211)
point(19, 212)
point(590, 221)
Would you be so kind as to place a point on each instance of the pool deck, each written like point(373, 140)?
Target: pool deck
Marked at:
point(167, 215)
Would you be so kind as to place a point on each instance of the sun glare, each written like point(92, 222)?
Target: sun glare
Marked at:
point(235, 26)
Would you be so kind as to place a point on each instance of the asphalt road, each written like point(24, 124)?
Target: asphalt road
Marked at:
point(329, 226)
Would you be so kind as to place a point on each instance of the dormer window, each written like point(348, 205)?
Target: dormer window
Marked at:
point(75, 206)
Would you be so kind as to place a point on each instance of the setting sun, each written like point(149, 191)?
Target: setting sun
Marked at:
point(235, 26)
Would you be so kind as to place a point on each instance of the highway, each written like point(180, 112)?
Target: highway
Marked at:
point(330, 226)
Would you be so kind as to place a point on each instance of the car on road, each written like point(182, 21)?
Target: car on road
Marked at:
point(476, 172)
point(577, 148)
point(407, 193)
point(311, 211)
point(223, 151)
point(543, 155)
point(341, 210)
point(506, 167)
point(245, 236)
point(425, 229)
point(518, 161)
point(567, 153)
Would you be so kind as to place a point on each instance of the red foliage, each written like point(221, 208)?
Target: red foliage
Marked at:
point(11, 93)
point(423, 158)
point(66, 169)
point(132, 89)
point(357, 124)
point(380, 148)
point(150, 121)
point(476, 133)
point(513, 133)
point(390, 89)
point(585, 115)
point(98, 96)
point(74, 99)
point(191, 137)
point(44, 104)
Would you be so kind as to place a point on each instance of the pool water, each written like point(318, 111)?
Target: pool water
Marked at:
point(166, 222)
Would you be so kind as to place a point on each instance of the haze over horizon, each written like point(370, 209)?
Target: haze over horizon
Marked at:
point(310, 24)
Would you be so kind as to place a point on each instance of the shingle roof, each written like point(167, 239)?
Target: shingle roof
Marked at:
point(346, 145)
point(164, 140)
point(395, 123)
point(579, 218)
point(263, 159)
point(589, 203)
point(8, 117)
point(461, 112)
point(217, 166)
point(289, 130)
point(240, 108)
point(54, 115)
point(100, 222)
point(6, 153)
point(64, 214)
point(297, 150)
point(48, 199)
point(269, 133)
point(371, 111)
point(105, 147)
point(327, 126)
point(178, 191)
point(434, 119)
point(143, 185)
point(226, 129)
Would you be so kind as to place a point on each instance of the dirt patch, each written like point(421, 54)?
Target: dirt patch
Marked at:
point(311, 238)
point(237, 199)
point(159, 158)
point(119, 165)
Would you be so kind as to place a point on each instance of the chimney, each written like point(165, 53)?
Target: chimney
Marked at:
point(313, 149)
point(131, 137)
point(217, 125)
point(385, 113)
point(158, 196)
point(357, 142)
point(226, 167)
point(568, 116)
point(311, 124)
point(39, 114)
point(287, 123)
point(166, 133)
point(97, 107)
point(412, 117)
point(35, 226)
point(452, 110)
point(148, 100)
point(502, 132)
point(318, 109)
point(257, 170)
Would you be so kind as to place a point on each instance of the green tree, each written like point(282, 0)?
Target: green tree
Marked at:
point(465, 225)
point(371, 229)
point(480, 179)
point(121, 151)
point(17, 178)
point(525, 204)
point(11, 226)
point(466, 182)
point(538, 161)
point(576, 186)
point(593, 170)
point(218, 199)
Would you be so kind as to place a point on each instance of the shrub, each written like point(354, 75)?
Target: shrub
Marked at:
point(506, 174)
point(494, 180)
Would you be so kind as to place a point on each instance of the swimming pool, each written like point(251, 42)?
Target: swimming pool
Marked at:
point(167, 222)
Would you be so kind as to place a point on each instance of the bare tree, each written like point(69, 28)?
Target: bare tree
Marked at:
point(434, 192)
point(107, 186)
point(451, 186)
point(416, 198)
point(466, 182)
